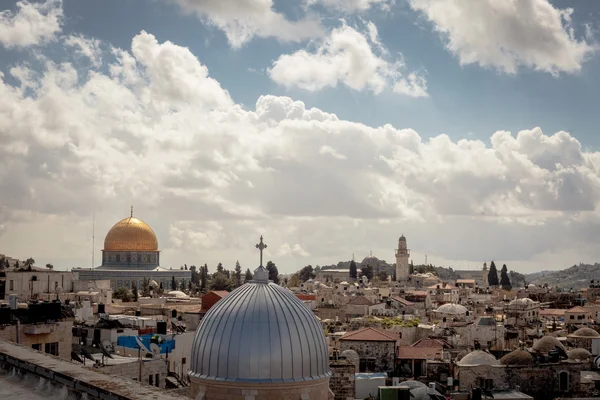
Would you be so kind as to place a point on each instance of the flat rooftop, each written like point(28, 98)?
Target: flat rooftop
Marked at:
point(72, 375)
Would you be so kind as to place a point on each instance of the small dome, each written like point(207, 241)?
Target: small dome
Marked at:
point(478, 357)
point(130, 234)
point(547, 343)
point(585, 332)
point(460, 355)
point(451, 308)
point(351, 356)
point(260, 333)
point(579, 354)
point(402, 238)
point(517, 357)
point(521, 303)
point(177, 294)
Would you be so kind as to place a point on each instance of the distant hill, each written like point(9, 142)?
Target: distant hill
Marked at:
point(576, 277)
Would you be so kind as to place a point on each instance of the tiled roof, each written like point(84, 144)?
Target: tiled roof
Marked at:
point(220, 293)
point(402, 301)
point(369, 335)
point(556, 312)
point(420, 353)
point(428, 342)
point(417, 293)
point(577, 309)
point(360, 301)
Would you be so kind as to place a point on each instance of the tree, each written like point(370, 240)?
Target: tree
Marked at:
point(29, 262)
point(294, 281)
point(493, 275)
point(248, 275)
point(49, 266)
point(220, 268)
point(317, 270)
point(411, 268)
point(306, 273)
point(195, 275)
point(122, 293)
point(173, 283)
point(273, 272)
point(353, 271)
point(145, 287)
point(237, 276)
point(367, 271)
point(220, 281)
point(504, 279)
point(383, 276)
point(17, 264)
point(203, 278)
point(134, 291)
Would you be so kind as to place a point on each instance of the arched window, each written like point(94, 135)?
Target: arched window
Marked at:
point(563, 381)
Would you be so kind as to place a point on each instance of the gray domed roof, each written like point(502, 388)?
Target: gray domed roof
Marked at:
point(579, 354)
point(451, 308)
point(517, 357)
point(478, 357)
point(547, 343)
point(585, 332)
point(260, 333)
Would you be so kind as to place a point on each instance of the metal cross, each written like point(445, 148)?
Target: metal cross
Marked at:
point(261, 246)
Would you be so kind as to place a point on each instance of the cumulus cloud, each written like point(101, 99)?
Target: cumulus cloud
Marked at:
point(32, 24)
point(350, 6)
point(86, 47)
point(347, 57)
point(505, 35)
point(241, 20)
point(211, 176)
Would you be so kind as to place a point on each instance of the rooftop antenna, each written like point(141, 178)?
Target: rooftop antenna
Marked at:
point(425, 259)
point(93, 237)
point(131, 215)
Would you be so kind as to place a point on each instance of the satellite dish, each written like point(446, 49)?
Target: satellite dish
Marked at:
point(105, 353)
point(597, 362)
point(155, 349)
point(108, 346)
point(142, 346)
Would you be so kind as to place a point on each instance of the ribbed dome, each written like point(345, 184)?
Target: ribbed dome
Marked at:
point(260, 333)
point(130, 234)
point(478, 357)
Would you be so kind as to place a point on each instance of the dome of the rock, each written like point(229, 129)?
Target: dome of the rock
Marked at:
point(131, 234)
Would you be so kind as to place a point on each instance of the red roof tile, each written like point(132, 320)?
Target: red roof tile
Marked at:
point(402, 301)
point(428, 342)
point(369, 335)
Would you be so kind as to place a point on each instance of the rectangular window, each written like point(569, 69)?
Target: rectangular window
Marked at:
point(12, 285)
point(157, 380)
point(183, 360)
point(37, 346)
point(51, 348)
point(150, 380)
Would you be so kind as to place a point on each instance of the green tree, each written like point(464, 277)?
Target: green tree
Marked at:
point(195, 275)
point(220, 281)
point(237, 276)
point(220, 268)
point(123, 294)
point(134, 291)
point(248, 275)
point(367, 271)
point(411, 268)
point(504, 279)
point(203, 278)
point(273, 272)
point(382, 275)
point(306, 273)
point(353, 270)
point(173, 283)
point(294, 281)
point(49, 266)
point(17, 264)
point(145, 288)
point(29, 262)
point(317, 269)
point(493, 275)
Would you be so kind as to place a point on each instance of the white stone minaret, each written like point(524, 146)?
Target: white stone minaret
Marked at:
point(402, 255)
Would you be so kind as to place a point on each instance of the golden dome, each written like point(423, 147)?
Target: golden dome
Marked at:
point(131, 234)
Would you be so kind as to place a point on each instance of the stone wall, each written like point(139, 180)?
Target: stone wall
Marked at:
point(341, 382)
point(154, 371)
point(382, 353)
point(31, 335)
point(203, 389)
point(331, 313)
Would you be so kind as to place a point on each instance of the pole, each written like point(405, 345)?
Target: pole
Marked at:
point(140, 363)
point(93, 237)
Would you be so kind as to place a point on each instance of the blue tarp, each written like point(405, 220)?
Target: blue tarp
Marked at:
point(129, 341)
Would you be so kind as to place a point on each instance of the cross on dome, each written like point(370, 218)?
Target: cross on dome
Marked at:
point(261, 274)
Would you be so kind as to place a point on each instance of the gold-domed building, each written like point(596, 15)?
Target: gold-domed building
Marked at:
point(131, 254)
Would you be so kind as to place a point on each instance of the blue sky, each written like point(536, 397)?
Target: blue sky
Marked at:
point(210, 156)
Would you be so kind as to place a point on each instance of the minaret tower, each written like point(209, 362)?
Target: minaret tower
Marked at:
point(402, 255)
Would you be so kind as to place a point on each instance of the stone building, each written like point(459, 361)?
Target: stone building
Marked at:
point(341, 382)
point(402, 256)
point(27, 285)
point(41, 326)
point(376, 349)
point(582, 338)
point(522, 312)
point(148, 371)
point(260, 343)
point(130, 255)
point(358, 307)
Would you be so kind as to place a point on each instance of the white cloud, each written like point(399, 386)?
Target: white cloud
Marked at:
point(241, 20)
point(32, 24)
point(347, 57)
point(86, 47)
point(211, 176)
point(350, 6)
point(508, 34)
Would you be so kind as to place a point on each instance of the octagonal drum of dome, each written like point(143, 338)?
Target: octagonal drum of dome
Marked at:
point(260, 333)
